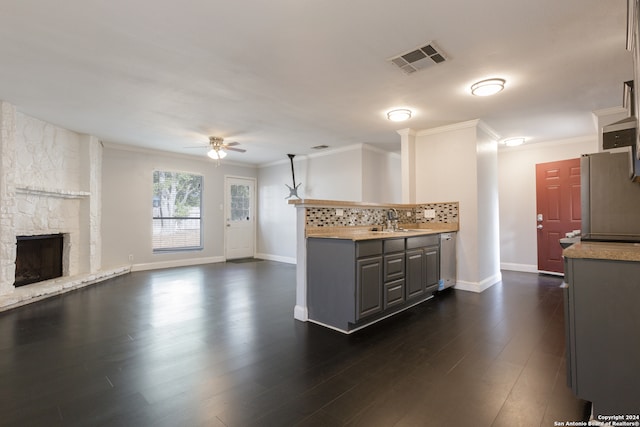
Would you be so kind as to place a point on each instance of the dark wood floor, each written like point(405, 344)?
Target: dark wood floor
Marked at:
point(217, 345)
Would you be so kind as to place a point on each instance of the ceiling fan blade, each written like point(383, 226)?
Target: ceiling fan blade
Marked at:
point(231, 144)
point(239, 150)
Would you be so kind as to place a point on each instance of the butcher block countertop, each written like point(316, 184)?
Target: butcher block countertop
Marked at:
point(366, 233)
point(604, 250)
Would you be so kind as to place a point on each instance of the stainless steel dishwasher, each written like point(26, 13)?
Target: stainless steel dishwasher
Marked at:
point(447, 260)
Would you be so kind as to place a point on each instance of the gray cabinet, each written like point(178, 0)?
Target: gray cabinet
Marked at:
point(415, 273)
point(393, 266)
point(602, 324)
point(394, 273)
point(394, 293)
point(351, 284)
point(369, 286)
point(432, 268)
point(423, 265)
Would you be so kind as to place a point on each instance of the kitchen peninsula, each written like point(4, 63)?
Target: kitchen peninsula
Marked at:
point(359, 262)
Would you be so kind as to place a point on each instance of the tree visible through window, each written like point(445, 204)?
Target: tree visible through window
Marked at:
point(177, 207)
point(240, 202)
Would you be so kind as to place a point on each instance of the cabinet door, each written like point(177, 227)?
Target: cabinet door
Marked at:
point(369, 286)
point(415, 273)
point(432, 267)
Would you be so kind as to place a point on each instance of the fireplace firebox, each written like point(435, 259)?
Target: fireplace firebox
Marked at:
point(38, 258)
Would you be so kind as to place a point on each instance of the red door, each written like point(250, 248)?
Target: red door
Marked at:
point(558, 209)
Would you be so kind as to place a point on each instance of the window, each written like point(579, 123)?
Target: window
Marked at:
point(177, 207)
point(240, 202)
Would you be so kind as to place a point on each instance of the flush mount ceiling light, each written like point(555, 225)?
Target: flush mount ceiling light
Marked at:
point(513, 142)
point(487, 87)
point(399, 115)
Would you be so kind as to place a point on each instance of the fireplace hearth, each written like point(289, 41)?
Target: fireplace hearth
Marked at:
point(38, 258)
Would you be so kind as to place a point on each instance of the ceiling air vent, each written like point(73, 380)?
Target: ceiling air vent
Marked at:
point(419, 58)
point(320, 147)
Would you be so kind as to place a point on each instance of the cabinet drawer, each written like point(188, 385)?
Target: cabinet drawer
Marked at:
point(422, 241)
point(393, 245)
point(368, 248)
point(393, 267)
point(394, 293)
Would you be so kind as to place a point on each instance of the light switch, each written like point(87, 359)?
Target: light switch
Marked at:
point(429, 213)
point(339, 212)
point(409, 214)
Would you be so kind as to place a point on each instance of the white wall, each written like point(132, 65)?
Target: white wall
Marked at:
point(459, 163)
point(488, 205)
point(353, 173)
point(276, 217)
point(517, 187)
point(446, 170)
point(127, 177)
point(331, 175)
point(381, 175)
point(127, 192)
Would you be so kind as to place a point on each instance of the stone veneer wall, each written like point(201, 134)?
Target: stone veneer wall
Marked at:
point(326, 217)
point(50, 183)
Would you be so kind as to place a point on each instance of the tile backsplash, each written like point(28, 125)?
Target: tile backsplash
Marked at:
point(328, 217)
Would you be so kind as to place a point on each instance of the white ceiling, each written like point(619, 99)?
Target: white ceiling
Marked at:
point(282, 76)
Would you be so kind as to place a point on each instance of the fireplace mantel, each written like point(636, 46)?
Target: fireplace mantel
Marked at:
point(51, 192)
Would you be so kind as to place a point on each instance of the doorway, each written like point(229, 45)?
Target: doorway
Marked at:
point(240, 225)
point(558, 210)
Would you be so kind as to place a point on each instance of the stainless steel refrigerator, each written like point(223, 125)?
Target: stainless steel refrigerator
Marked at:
point(610, 200)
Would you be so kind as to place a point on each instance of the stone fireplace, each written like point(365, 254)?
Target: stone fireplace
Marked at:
point(50, 184)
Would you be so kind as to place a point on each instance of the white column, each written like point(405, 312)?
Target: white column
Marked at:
point(408, 164)
point(91, 225)
point(7, 198)
point(300, 311)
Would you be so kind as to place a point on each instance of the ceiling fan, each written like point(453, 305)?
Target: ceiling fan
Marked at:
point(219, 148)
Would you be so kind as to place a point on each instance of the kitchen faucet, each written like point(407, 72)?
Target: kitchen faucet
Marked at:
point(392, 219)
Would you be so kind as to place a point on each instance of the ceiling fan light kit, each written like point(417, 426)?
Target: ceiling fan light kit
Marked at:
point(218, 148)
point(217, 153)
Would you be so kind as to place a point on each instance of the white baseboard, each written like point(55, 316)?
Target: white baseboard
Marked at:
point(176, 263)
point(278, 258)
point(553, 273)
point(525, 268)
point(478, 286)
point(301, 313)
point(38, 291)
